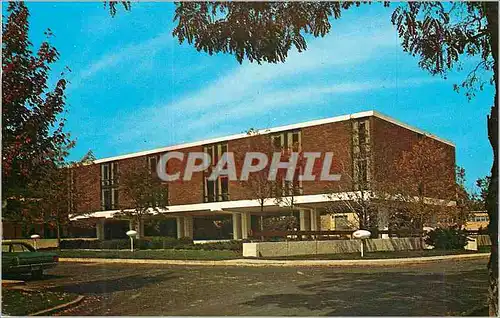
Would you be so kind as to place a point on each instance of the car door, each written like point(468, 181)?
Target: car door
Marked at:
point(8, 258)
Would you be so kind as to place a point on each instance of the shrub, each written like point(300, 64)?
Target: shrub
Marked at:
point(230, 245)
point(80, 244)
point(116, 244)
point(447, 238)
point(156, 242)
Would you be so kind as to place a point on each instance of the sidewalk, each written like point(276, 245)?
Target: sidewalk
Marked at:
point(261, 262)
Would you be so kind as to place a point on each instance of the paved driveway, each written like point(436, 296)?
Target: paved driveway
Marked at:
point(439, 288)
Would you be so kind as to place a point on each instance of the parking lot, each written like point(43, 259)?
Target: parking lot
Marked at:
point(439, 288)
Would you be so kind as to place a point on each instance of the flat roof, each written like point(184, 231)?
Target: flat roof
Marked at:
point(273, 130)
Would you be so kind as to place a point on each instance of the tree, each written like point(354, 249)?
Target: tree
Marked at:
point(33, 137)
point(258, 183)
point(484, 187)
point(466, 201)
point(440, 34)
point(423, 188)
point(58, 196)
point(362, 202)
point(145, 193)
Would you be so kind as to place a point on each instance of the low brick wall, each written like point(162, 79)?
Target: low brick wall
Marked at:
point(277, 249)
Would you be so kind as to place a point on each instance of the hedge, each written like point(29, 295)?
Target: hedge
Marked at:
point(151, 243)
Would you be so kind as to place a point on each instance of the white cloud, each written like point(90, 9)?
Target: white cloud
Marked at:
point(142, 50)
point(250, 88)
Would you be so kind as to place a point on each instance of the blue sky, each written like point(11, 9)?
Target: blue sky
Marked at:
point(133, 87)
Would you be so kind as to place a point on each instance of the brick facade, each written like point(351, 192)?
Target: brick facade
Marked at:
point(388, 141)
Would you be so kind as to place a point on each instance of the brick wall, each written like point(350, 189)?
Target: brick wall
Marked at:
point(88, 184)
point(389, 141)
point(185, 192)
point(332, 137)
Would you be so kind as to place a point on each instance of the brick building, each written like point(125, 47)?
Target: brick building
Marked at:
point(364, 144)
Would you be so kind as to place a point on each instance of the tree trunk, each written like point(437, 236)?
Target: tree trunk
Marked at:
point(491, 11)
point(58, 230)
point(262, 221)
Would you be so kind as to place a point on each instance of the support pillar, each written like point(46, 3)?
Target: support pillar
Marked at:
point(236, 226)
point(188, 226)
point(305, 220)
point(140, 229)
point(246, 225)
point(383, 221)
point(315, 221)
point(100, 229)
point(180, 227)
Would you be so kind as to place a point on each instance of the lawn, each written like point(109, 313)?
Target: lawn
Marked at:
point(21, 303)
point(172, 254)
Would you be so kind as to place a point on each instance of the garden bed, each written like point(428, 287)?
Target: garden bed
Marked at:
point(16, 302)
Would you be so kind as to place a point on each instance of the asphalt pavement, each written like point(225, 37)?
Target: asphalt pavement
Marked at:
point(437, 288)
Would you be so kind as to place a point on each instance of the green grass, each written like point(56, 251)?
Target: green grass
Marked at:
point(154, 254)
point(375, 255)
point(21, 303)
point(173, 254)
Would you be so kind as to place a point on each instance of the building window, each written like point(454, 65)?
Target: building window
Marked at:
point(109, 185)
point(287, 142)
point(152, 163)
point(480, 218)
point(218, 189)
point(341, 222)
point(361, 154)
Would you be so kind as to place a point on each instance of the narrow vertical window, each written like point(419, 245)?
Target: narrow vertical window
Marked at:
point(215, 190)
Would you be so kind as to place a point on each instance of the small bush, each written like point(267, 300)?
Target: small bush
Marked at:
point(116, 244)
point(156, 242)
point(230, 245)
point(80, 244)
point(447, 238)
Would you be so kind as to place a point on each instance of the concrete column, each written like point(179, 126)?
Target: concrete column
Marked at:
point(246, 224)
point(305, 220)
point(315, 222)
point(100, 229)
point(236, 226)
point(188, 226)
point(383, 221)
point(140, 229)
point(180, 227)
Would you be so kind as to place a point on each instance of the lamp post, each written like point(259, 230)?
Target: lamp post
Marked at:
point(35, 237)
point(131, 234)
point(361, 235)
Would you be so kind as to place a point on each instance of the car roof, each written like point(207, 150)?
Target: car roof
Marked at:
point(13, 242)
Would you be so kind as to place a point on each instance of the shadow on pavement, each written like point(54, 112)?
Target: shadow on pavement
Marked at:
point(29, 278)
point(106, 286)
point(385, 293)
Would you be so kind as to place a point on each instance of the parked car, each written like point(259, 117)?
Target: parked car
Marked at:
point(22, 258)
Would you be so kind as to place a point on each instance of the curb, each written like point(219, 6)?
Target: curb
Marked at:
point(8, 283)
point(45, 312)
point(279, 263)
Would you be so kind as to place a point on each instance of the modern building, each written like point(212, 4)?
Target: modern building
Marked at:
point(478, 220)
point(364, 146)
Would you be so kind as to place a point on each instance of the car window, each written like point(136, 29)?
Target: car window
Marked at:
point(5, 248)
point(18, 248)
